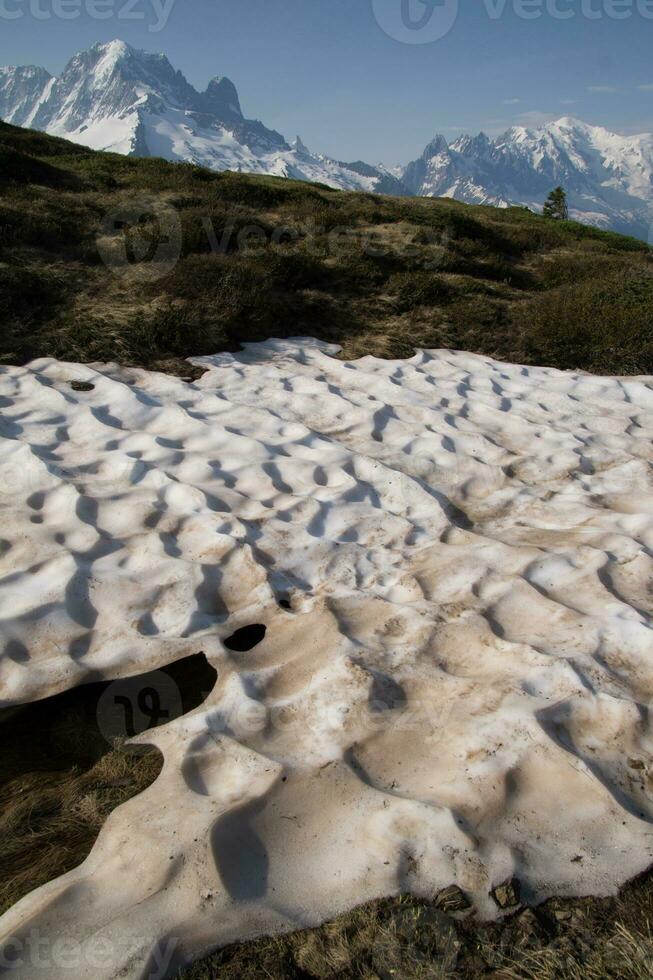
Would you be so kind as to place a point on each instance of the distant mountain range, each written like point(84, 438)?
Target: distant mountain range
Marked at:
point(113, 97)
point(609, 178)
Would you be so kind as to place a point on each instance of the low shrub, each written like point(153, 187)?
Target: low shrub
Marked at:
point(602, 325)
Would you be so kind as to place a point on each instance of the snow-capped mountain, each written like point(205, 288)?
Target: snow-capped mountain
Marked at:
point(113, 97)
point(22, 91)
point(609, 178)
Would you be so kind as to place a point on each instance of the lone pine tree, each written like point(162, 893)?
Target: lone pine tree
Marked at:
point(555, 205)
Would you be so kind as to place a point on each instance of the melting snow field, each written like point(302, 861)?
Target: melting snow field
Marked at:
point(453, 560)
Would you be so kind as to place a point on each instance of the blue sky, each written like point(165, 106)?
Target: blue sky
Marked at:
point(328, 70)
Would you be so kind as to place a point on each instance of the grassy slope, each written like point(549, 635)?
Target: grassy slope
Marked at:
point(378, 274)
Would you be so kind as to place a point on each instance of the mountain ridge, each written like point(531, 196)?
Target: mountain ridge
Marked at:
point(114, 97)
point(609, 178)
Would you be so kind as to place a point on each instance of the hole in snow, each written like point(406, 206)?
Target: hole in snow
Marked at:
point(246, 638)
point(64, 767)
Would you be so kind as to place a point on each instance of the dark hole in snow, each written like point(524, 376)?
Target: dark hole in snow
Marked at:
point(246, 638)
point(97, 713)
point(65, 747)
point(285, 603)
point(146, 701)
point(81, 386)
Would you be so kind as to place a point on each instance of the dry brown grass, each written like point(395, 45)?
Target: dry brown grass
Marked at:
point(49, 820)
point(59, 781)
point(407, 939)
point(62, 771)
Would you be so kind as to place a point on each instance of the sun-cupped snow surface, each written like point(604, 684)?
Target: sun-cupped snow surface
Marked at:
point(453, 558)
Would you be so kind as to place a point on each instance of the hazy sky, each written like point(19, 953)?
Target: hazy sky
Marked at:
point(342, 75)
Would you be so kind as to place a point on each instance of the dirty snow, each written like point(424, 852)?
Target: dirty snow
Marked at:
point(458, 692)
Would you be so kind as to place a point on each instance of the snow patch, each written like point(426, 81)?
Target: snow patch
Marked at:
point(424, 585)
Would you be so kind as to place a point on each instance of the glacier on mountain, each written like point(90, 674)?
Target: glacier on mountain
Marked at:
point(609, 178)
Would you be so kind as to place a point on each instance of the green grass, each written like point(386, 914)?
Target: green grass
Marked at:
point(375, 274)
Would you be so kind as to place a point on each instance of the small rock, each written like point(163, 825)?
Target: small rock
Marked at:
point(508, 894)
point(82, 386)
point(452, 899)
point(562, 915)
point(637, 764)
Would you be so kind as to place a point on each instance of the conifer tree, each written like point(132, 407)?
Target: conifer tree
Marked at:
point(555, 205)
